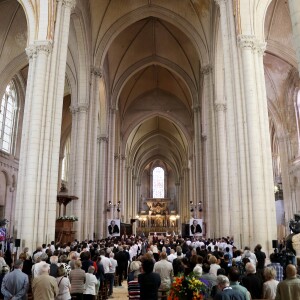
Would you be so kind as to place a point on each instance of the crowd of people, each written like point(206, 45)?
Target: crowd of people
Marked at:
point(78, 270)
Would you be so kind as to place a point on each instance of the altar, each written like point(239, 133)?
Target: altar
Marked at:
point(158, 215)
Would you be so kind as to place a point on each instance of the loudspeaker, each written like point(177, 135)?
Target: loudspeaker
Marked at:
point(17, 243)
point(274, 244)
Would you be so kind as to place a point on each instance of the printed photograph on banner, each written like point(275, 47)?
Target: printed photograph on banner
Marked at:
point(113, 227)
point(195, 227)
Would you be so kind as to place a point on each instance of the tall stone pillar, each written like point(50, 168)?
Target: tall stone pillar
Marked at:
point(295, 17)
point(198, 153)
point(79, 135)
point(102, 175)
point(111, 155)
point(122, 191)
point(262, 208)
point(39, 155)
point(223, 206)
point(91, 156)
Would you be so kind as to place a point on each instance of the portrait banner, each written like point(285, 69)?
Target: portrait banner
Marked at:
point(113, 227)
point(196, 227)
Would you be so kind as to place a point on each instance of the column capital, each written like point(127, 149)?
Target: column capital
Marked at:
point(113, 110)
point(220, 107)
point(204, 138)
point(260, 47)
point(96, 71)
point(246, 41)
point(102, 139)
point(69, 3)
point(81, 107)
point(205, 70)
point(116, 156)
point(123, 157)
point(38, 47)
point(221, 2)
point(196, 108)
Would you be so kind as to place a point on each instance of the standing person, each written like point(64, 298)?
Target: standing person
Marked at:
point(149, 281)
point(77, 280)
point(122, 260)
point(15, 284)
point(113, 228)
point(63, 283)
point(234, 276)
point(90, 284)
point(270, 284)
point(252, 281)
point(261, 258)
point(110, 276)
point(165, 269)
point(289, 289)
point(226, 292)
point(44, 286)
point(277, 266)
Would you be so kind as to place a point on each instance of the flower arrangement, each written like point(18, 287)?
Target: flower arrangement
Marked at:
point(188, 288)
point(69, 218)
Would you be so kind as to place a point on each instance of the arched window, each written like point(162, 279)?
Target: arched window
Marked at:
point(7, 117)
point(158, 182)
point(66, 161)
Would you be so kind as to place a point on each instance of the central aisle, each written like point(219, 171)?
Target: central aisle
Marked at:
point(121, 292)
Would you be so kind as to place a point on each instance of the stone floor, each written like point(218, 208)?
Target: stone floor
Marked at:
point(121, 292)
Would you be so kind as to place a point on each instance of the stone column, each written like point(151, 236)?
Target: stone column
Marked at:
point(129, 200)
point(79, 187)
point(207, 99)
point(198, 184)
point(91, 155)
point(262, 208)
point(38, 173)
point(102, 175)
point(122, 191)
point(29, 184)
point(177, 206)
point(295, 17)
point(223, 206)
point(111, 155)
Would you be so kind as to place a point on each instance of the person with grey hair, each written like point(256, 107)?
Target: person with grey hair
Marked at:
point(15, 284)
point(44, 286)
point(270, 284)
point(253, 282)
point(225, 292)
point(90, 284)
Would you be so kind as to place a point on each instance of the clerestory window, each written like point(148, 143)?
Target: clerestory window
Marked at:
point(66, 160)
point(158, 182)
point(8, 117)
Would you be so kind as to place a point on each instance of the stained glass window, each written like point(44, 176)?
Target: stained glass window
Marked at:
point(7, 117)
point(158, 182)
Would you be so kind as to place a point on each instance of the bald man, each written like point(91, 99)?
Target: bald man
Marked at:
point(289, 289)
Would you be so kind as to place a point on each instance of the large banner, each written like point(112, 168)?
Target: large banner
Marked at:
point(196, 227)
point(113, 227)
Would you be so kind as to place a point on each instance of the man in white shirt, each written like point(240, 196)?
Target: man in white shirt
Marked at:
point(172, 256)
point(105, 261)
point(165, 270)
point(110, 276)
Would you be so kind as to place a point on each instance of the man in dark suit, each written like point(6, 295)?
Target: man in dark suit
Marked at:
point(15, 284)
point(113, 228)
point(196, 228)
point(149, 281)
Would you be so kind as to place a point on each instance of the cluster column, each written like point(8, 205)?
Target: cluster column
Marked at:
point(102, 175)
